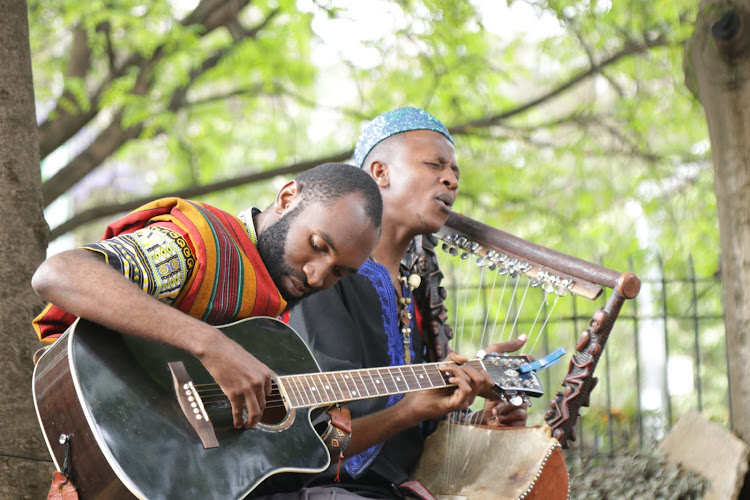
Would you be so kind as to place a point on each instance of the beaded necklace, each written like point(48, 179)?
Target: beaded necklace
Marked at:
point(406, 311)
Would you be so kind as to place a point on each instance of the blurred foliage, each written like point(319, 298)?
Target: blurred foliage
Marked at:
point(640, 475)
point(576, 171)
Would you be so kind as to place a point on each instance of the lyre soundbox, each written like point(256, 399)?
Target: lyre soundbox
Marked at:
point(509, 259)
point(109, 401)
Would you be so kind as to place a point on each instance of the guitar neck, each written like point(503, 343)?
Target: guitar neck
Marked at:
point(315, 389)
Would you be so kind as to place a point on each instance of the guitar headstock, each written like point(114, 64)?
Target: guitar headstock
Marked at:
point(510, 382)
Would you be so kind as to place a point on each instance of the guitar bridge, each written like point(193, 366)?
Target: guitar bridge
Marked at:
point(192, 405)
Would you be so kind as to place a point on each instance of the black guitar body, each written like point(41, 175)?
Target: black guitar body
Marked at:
point(128, 436)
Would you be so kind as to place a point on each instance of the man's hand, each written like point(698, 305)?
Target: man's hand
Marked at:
point(497, 414)
point(242, 377)
point(510, 346)
point(65, 279)
point(436, 403)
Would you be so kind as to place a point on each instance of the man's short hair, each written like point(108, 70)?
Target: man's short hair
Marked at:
point(329, 182)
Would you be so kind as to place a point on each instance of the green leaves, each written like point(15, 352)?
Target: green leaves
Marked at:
point(570, 110)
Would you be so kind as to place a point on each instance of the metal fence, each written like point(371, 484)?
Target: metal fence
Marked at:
point(665, 356)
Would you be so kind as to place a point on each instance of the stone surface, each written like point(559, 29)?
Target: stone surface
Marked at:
point(710, 450)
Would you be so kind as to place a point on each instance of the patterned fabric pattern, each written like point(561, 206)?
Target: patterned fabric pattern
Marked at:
point(156, 259)
point(394, 122)
point(228, 281)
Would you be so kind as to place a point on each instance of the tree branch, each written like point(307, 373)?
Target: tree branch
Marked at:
point(193, 191)
point(114, 136)
point(106, 143)
point(461, 129)
point(60, 127)
point(628, 50)
point(179, 96)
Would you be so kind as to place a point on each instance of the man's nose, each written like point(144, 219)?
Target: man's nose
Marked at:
point(316, 274)
point(450, 180)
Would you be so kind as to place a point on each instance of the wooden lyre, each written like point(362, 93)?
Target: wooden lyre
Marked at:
point(511, 462)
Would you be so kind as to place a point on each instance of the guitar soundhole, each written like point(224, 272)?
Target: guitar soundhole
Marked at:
point(274, 416)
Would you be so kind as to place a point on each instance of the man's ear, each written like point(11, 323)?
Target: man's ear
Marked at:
point(381, 173)
point(287, 197)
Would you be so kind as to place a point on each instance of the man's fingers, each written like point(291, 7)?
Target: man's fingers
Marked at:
point(515, 418)
point(237, 407)
point(509, 346)
point(456, 357)
point(254, 413)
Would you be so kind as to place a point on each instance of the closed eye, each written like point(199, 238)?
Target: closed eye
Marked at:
point(317, 246)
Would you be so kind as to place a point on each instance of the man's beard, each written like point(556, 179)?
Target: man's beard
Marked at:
point(272, 250)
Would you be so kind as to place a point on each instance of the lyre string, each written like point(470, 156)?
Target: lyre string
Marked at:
point(497, 309)
point(546, 318)
point(519, 309)
point(476, 305)
point(483, 340)
point(510, 307)
point(512, 311)
point(463, 318)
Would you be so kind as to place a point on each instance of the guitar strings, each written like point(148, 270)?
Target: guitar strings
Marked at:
point(211, 393)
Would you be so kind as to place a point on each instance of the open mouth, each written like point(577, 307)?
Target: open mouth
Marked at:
point(446, 201)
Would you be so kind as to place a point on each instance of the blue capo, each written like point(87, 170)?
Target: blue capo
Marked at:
point(540, 364)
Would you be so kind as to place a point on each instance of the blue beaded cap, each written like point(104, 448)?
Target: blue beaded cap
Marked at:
point(394, 122)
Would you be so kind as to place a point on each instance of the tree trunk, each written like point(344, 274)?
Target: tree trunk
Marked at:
point(717, 67)
point(25, 468)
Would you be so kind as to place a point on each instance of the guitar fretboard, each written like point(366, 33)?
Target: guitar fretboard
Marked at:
point(315, 389)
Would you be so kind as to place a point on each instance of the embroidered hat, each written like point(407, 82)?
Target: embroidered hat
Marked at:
point(394, 122)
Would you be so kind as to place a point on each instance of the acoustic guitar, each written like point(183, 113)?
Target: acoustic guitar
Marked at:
point(139, 419)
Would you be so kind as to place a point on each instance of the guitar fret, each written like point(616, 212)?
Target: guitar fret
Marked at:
point(436, 376)
point(324, 389)
point(336, 389)
point(364, 384)
point(417, 379)
point(410, 377)
point(341, 383)
point(398, 380)
point(351, 385)
point(291, 390)
point(304, 399)
point(377, 384)
point(421, 378)
point(389, 383)
point(297, 393)
point(313, 389)
point(329, 388)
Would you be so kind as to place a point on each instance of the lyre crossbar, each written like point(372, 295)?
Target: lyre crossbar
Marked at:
point(554, 271)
